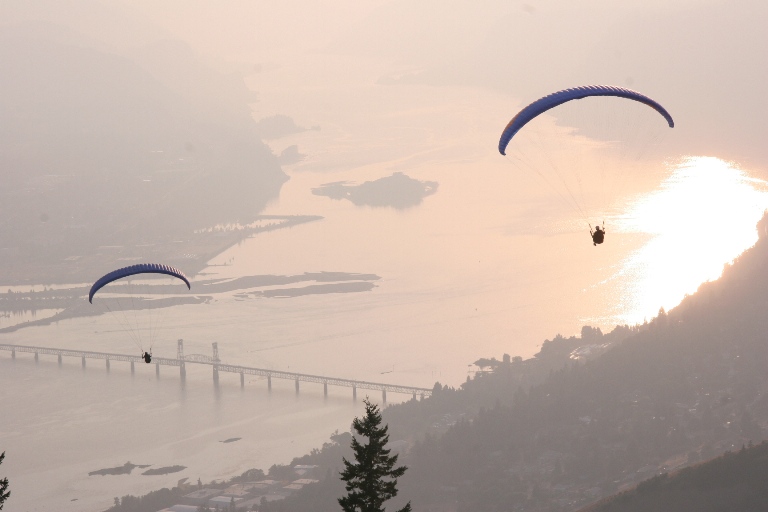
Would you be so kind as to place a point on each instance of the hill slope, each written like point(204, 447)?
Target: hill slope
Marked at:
point(115, 142)
point(683, 388)
point(656, 398)
point(689, 385)
point(734, 481)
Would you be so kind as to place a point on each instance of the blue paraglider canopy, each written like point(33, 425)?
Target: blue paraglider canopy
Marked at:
point(142, 268)
point(558, 98)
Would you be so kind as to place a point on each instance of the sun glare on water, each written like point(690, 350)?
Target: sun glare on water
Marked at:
point(702, 217)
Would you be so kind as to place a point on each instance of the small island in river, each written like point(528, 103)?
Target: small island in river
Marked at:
point(72, 302)
point(125, 469)
point(397, 191)
point(164, 470)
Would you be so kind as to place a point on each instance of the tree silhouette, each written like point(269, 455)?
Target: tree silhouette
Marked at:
point(4, 492)
point(372, 479)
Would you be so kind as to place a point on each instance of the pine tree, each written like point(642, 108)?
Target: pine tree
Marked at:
point(4, 492)
point(372, 479)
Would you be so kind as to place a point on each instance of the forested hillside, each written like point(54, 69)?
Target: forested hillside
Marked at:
point(588, 416)
point(735, 481)
point(687, 386)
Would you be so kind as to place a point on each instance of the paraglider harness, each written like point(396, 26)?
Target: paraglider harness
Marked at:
point(147, 357)
point(598, 235)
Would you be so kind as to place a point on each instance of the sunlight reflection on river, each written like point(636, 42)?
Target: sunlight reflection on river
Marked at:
point(702, 216)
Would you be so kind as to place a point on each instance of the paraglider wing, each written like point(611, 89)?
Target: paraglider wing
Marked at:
point(558, 98)
point(142, 268)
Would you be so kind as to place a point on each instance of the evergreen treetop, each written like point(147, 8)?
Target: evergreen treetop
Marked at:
point(372, 478)
point(4, 492)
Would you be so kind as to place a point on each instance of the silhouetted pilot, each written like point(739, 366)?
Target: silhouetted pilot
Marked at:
point(598, 235)
point(147, 357)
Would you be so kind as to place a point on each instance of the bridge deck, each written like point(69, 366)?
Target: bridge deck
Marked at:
point(218, 366)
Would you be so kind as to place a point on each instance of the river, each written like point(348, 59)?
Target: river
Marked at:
point(484, 266)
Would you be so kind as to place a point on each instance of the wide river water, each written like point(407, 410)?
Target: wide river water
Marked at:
point(485, 266)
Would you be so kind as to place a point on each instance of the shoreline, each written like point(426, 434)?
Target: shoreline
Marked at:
point(190, 253)
point(246, 287)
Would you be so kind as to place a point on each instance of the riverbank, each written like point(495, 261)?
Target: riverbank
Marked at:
point(190, 252)
point(69, 303)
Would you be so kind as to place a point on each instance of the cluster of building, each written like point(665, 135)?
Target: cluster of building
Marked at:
point(241, 496)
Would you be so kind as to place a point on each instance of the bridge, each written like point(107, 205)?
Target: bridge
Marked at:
point(181, 361)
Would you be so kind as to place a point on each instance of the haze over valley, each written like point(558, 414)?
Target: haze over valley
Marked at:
point(327, 176)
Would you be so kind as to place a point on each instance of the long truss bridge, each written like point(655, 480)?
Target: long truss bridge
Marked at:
point(181, 361)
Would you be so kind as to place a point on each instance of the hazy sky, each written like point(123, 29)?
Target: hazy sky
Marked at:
point(699, 58)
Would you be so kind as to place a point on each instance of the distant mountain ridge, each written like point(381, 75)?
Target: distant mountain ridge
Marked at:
point(109, 141)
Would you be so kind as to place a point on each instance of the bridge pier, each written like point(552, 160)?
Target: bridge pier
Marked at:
point(269, 383)
point(297, 387)
point(325, 389)
point(13, 354)
point(83, 362)
point(414, 397)
point(157, 370)
point(59, 359)
point(384, 396)
point(133, 368)
point(215, 376)
point(354, 393)
point(242, 380)
point(36, 358)
point(180, 357)
point(107, 365)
